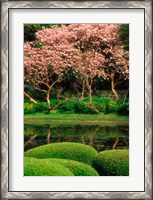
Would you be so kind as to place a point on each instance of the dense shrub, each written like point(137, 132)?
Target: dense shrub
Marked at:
point(29, 108)
point(112, 163)
point(53, 102)
point(117, 107)
point(113, 106)
point(123, 109)
point(43, 167)
point(41, 107)
point(67, 107)
point(65, 150)
point(76, 107)
point(100, 107)
point(77, 168)
point(97, 100)
point(105, 105)
point(84, 109)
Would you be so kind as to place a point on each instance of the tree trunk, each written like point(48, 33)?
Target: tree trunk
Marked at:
point(83, 90)
point(89, 87)
point(113, 88)
point(60, 90)
point(48, 92)
point(90, 94)
point(48, 97)
point(28, 96)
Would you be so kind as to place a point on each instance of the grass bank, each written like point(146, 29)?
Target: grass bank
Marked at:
point(76, 117)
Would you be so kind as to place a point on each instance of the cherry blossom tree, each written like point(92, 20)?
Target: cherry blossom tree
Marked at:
point(116, 66)
point(100, 51)
point(91, 50)
point(45, 66)
point(88, 67)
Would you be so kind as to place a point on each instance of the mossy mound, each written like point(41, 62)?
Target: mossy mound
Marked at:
point(112, 163)
point(43, 167)
point(77, 168)
point(65, 150)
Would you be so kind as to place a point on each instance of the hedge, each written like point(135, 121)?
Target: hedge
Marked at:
point(77, 168)
point(65, 150)
point(112, 163)
point(43, 167)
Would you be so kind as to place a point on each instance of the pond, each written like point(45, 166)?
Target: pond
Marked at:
point(99, 136)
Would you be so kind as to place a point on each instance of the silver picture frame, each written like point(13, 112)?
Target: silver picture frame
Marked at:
point(5, 6)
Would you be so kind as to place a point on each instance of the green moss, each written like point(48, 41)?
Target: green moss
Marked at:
point(65, 150)
point(77, 168)
point(112, 163)
point(43, 167)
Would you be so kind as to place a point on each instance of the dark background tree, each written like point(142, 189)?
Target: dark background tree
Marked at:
point(31, 29)
point(124, 34)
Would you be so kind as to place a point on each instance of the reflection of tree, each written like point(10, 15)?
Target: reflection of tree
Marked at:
point(82, 139)
point(29, 132)
point(95, 131)
point(30, 140)
point(59, 134)
point(94, 135)
point(125, 142)
point(116, 142)
point(91, 142)
point(48, 138)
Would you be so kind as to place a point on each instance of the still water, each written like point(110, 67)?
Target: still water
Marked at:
point(101, 137)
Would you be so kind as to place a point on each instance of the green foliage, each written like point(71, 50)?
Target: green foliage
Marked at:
point(76, 107)
point(68, 107)
point(84, 109)
point(53, 102)
point(29, 108)
point(124, 34)
point(112, 106)
point(107, 105)
point(38, 45)
point(71, 95)
point(77, 168)
point(31, 29)
point(112, 163)
point(41, 107)
point(123, 109)
point(43, 167)
point(104, 105)
point(65, 150)
point(36, 94)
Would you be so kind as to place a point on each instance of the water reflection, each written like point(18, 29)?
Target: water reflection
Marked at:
point(98, 136)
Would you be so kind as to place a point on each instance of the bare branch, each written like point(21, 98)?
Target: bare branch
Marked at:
point(31, 99)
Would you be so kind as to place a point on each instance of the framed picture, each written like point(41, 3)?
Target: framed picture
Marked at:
point(76, 100)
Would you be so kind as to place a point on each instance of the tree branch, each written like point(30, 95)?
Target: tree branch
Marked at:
point(31, 99)
point(40, 89)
